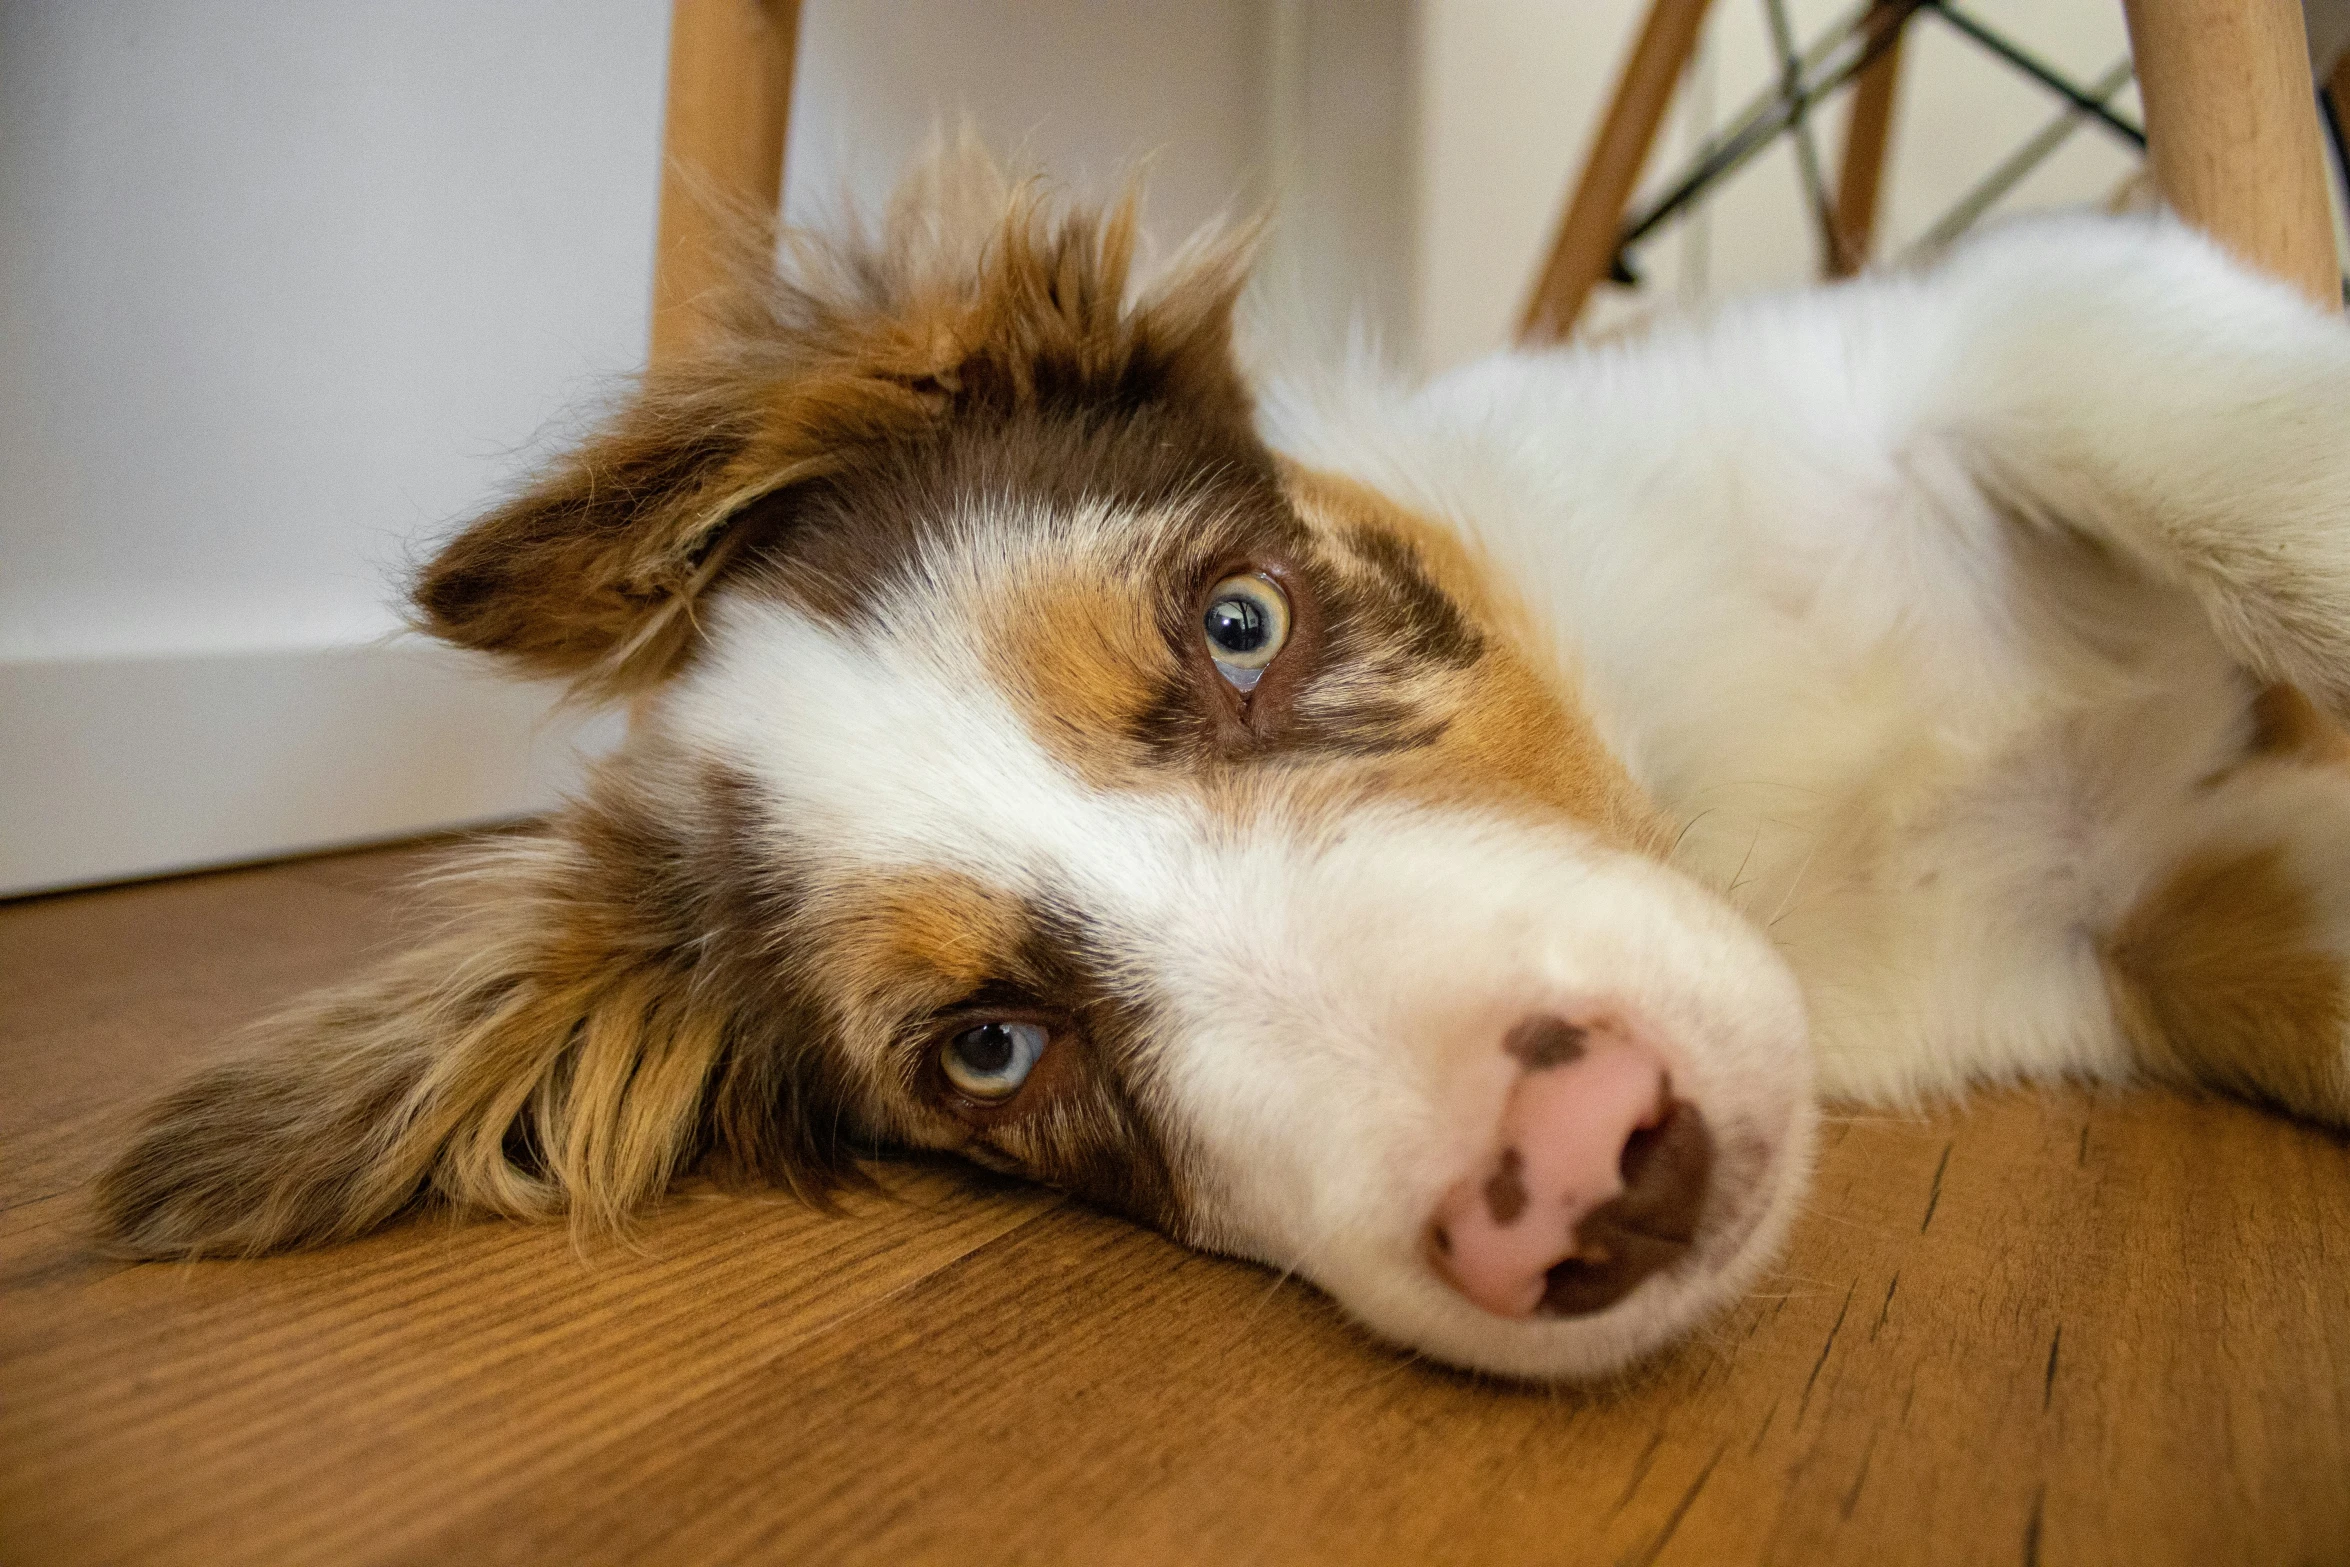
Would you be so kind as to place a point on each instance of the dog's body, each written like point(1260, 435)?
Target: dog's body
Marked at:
point(1397, 837)
point(1917, 607)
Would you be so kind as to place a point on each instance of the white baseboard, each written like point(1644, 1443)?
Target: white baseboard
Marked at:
point(118, 768)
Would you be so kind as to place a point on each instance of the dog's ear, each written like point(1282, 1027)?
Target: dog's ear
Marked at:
point(551, 1051)
point(590, 574)
point(978, 300)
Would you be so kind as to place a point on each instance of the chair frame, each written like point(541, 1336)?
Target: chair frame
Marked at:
point(2231, 129)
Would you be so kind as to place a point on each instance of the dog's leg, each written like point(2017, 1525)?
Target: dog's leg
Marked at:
point(2232, 967)
point(2125, 380)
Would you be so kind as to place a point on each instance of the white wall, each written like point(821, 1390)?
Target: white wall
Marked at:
point(283, 289)
point(286, 291)
point(1227, 105)
point(283, 292)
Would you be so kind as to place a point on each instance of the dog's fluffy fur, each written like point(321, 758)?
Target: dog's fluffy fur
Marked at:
point(1947, 658)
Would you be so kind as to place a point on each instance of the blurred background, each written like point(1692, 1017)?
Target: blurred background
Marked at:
point(287, 291)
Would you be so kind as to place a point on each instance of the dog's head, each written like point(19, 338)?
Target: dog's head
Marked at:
point(1029, 763)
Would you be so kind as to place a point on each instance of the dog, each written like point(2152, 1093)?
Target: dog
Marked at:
point(1443, 842)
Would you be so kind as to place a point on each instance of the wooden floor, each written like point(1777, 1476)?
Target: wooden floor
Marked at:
point(2051, 1328)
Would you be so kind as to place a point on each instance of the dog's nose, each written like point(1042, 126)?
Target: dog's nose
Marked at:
point(1598, 1182)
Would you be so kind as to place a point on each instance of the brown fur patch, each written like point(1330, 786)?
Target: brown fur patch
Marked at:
point(1517, 743)
point(1078, 649)
point(1409, 674)
point(906, 942)
point(2286, 724)
point(1427, 558)
point(979, 306)
point(598, 1014)
point(2219, 978)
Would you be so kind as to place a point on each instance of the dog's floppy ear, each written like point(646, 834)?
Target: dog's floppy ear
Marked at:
point(977, 300)
point(555, 1050)
point(589, 575)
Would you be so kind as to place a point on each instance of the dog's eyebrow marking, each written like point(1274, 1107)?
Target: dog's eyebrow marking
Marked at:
point(1428, 622)
point(898, 930)
point(1077, 649)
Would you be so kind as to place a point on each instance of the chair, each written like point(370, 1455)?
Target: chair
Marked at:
point(729, 109)
point(2232, 133)
point(2231, 130)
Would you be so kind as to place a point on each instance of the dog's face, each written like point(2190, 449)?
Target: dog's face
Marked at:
point(1217, 858)
point(1028, 764)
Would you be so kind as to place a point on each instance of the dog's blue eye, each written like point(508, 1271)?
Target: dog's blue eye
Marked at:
point(1246, 622)
point(994, 1059)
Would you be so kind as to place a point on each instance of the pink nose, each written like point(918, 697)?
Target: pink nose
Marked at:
point(1598, 1181)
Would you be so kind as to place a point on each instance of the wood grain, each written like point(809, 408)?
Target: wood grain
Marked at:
point(2232, 132)
point(1868, 133)
point(2338, 89)
point(1584, 244)
point(2050, 1327)
point(722, 145)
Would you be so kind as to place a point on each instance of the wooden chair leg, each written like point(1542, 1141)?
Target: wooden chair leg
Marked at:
point(1586, 238)
point(730, 74)
point(2338, 86)
point(1867, 128)
point(2232, 133)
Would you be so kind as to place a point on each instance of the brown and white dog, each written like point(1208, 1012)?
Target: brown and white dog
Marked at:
point(1441, 842)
